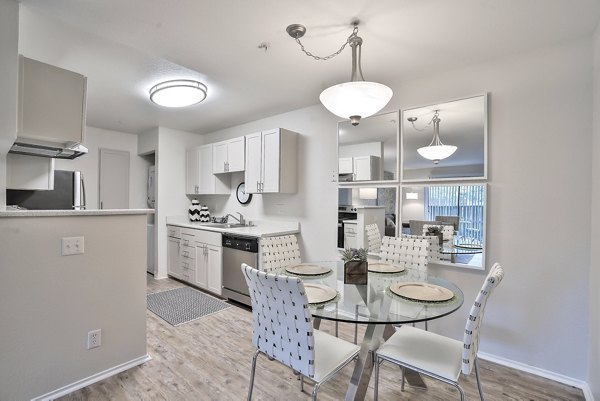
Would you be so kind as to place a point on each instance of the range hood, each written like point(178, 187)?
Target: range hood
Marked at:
point(70, 150)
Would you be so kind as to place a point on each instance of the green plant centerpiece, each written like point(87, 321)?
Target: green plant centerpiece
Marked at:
point(436, 231)
point(356, 267)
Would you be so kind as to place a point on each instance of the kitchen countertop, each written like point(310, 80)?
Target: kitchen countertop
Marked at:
point(262, 228)
point(59, 213)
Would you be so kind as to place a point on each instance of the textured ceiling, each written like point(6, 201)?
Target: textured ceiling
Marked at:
point(124, 47)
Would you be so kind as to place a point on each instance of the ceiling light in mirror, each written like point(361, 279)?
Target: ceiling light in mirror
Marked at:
point(462, 126)
point(178, 93)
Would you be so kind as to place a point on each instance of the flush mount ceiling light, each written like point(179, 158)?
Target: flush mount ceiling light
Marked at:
point(436, 150)
point(357, 98)
point(178, 93)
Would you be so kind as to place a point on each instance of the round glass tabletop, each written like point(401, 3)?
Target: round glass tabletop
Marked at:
point(375, 302)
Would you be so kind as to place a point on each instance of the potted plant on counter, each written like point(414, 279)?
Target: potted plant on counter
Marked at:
point(356, 267)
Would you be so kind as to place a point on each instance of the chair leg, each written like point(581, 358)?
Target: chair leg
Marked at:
point(478, 380)
point(376, 394)
point(402, 378)
point(314, 392)
point(355, 325)
point(460, 390)
point(301, 383)
point(252, 375)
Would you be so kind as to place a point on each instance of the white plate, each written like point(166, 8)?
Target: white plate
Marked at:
point(307, 270)
point(385, 268)
point(317, 293)
point(422, 291)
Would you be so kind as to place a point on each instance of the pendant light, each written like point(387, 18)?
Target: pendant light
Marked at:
point(178, 93)
point(357, 98)
point(436, 150)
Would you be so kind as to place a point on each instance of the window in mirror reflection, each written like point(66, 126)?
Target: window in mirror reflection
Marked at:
point(445, 140)
point(459, 206)
point(368, 151)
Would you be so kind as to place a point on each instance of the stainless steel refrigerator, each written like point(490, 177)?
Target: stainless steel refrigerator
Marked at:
point(68, 194)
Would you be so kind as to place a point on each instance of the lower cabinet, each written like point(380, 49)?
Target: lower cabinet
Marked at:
point(196, 258)
point(208, 276)
point(173, 266)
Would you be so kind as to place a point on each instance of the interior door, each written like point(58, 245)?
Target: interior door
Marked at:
point(114, 179)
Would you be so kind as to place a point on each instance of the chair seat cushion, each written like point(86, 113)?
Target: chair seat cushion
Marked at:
point(331, 353)
point(424, 350)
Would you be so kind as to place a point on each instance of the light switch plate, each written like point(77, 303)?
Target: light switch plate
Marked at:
point(72, 246)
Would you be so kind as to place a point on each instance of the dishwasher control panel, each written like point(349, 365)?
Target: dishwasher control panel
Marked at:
point(241, 243)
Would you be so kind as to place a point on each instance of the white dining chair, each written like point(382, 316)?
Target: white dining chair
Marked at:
point(278, 252)
point(411, 251)
point(282, 330)
point(437, 356)
point(373, 238)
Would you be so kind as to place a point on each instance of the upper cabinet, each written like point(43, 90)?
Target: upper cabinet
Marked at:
point(51, 103)
point(229, 156)
point(368, 151)
point(445, 141)
point(271, 162)
point(199, 177)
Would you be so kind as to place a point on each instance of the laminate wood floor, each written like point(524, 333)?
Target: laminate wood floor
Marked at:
point(209, 359)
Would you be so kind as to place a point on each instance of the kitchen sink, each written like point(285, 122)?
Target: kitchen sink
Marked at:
point(224, 225)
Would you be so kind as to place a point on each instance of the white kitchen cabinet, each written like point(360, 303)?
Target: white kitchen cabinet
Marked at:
point(51, 104)
point(173, 266)
point(199, 173)
point(229, 156)
point(271, 162)
point(366, 168)
point(346, 165)
point(209, 261)
point(29, 172)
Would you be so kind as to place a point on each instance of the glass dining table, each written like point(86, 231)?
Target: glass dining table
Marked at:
point(376, 305)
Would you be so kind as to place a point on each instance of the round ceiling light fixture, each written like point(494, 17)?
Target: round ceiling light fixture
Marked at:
point(178, 93)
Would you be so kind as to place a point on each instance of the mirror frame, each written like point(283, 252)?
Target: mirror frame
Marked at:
point(400, 206)
point(457, 178)
point(398, 171)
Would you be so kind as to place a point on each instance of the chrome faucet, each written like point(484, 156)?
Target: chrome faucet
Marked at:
point(240, 219)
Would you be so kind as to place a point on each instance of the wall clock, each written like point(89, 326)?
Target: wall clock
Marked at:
point(243, 197)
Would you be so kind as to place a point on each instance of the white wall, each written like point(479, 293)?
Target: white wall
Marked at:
point(539, 143)
point(170, 183)
point(315, 204)
point(95, 139)
point(49, 302)
point(594, 354)
point(9, 35)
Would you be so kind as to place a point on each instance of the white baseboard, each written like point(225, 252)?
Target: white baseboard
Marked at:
point(92, 379)
point(584, 386)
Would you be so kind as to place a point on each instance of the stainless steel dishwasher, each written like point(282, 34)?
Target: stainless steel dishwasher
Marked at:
point(238, 250)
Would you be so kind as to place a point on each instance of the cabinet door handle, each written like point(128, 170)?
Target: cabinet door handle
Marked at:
point(257, 186)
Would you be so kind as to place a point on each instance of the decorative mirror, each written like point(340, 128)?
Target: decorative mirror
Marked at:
point(361, 206)
point(445, 141)
point(460, 208)
point(369, 150)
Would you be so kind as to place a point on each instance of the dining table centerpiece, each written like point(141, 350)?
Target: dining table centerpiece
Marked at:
point(436, 231)
point(356, 267)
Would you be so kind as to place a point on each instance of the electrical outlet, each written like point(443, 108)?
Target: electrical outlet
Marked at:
point(72, 246)
point(94, 339)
